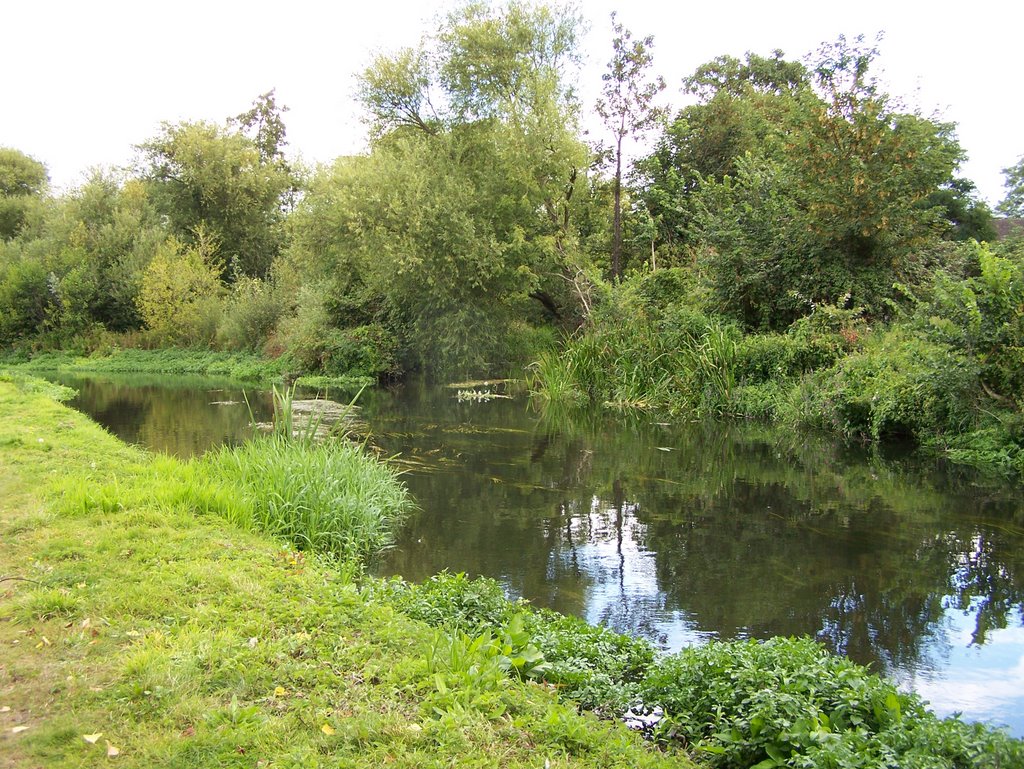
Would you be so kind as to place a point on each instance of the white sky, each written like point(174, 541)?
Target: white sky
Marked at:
point(83, 81)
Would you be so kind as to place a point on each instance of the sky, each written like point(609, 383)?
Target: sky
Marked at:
point(85, 81)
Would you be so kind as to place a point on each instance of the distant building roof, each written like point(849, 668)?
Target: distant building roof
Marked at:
point(1007, 226)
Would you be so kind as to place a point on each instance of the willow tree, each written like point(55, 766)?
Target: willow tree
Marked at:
point(461, 218)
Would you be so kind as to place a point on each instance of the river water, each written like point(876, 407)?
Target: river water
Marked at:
point(678, 532)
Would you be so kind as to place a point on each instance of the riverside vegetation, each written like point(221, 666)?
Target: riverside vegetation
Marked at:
point(797, 245)
point(148, 614)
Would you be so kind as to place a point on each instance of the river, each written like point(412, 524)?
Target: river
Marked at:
point(678, 532)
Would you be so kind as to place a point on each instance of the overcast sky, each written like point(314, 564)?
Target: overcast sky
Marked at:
point(84, 81)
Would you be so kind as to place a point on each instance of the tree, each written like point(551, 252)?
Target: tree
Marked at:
point(969, 218)
point(627, 107)
point(1013, 204)
point(832, 207)
point(175, 286)
point(235, 186)
point(742, 104)
point(23, 180)
point(459, 225)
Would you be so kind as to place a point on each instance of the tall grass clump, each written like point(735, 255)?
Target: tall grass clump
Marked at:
point(322, 495)
point(329, 497)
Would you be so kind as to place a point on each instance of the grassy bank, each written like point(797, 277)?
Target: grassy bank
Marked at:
point(244, 367)
point(134, 619)
point(144, 612)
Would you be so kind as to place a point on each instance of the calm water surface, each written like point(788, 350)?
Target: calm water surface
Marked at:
point(680, 533)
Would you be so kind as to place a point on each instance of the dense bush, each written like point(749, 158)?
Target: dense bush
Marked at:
point(251, 313)
point(789, 702)
point(900, 385)
point(179, 296)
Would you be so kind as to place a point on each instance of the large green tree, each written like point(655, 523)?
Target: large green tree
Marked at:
point(233, 185)
point(741, 104)
point(462, 218)
point(23, 180)
point(798, 186)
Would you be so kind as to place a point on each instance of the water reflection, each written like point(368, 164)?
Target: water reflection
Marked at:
point(681, 533)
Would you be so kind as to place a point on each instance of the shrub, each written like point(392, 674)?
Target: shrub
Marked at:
point(250, 315)
point(789, 702)
point(983, 318)
point(362, 351)
point(899, 385)
point(178, 300)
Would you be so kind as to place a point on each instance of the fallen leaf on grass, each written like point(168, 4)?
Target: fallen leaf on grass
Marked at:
point(5, 709)
point(18, 729)
point(327, 729)
point(92, 739)
point(112, 752)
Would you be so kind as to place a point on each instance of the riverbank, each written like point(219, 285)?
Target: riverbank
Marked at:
point(943, 372)
point(153, 622)
point(145, 628)
point(242, 367)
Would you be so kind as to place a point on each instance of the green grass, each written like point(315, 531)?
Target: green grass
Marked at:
point(142, 614)
point(325, 498)
point(237, 366)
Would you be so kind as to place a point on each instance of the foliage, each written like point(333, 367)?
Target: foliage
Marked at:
point(788, 702)
point(473, 203)
point(592, 666)
point(740, 105)
point(23, 181)
point(179, 289)
point(201, 175)
point(1013, 203)
point(26, 294)
point(983, 318)
point(969, 217)
point(899, 385)
point(794, 188)
point(252, 310)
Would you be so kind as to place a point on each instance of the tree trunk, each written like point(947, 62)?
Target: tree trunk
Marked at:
point(617, 220)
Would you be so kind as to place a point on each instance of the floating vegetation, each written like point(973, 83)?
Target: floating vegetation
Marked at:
point(480, 395)
point(473, 384)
